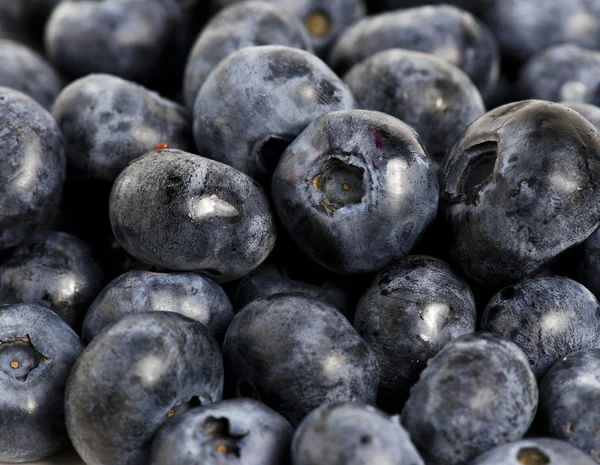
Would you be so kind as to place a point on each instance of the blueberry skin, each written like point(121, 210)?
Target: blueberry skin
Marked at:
point(526, 27)
point(244, 24)
point(569, 395)
point(137, 291)
point(547, 317)
point(32, 167)
point(31, 406)
point(108, 122)
point(477, 393)
point(127, 38)
point(346, 433)
point(410, 312)
point(588, 111)
point(271, 278)
point(476, 7)
point(535, 451)
point(563, 72)
point(324, 20)
point(183, 212)
point(442, 30)
point(24, 21)
point(355, 190)
point(250, 432)
point(246, 123)
point(520, 186)
point(295, 352)
point(587, 263)
point(27, 71)
point(55, 270)
point(429, 94)
point(135, 376)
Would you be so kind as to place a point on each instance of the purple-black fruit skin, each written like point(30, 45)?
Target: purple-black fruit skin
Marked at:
point(55, 270)
point(477, 393)
point(134, 377)
point(32, 167)
point(243, 24)
point(296, 352)
point(32, 418)
point(587, 110)
point(108, 122)
point(260, 93)
point(252, 433)
point(356, 190)
point(442, 30)
point(190, 294)
point(349, 433)
point(519, 187)
point(434, 97)
point(183, 212)
point(410, 312)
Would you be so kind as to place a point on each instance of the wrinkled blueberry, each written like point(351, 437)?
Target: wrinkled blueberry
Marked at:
point(563, 72)
point(539, 451)
point(408, 314)
point(520, 186)
point(356, 190)
point(247, 123)
point(345, 433)
point(139, 373)
point(32, 167)
point(547, 317)
point(444, 31)
point(37, 351)
point(429, 94)
point(324, 20)
point(588, 111)
point(477, 393)
point(28, 72)
point(240, 431)
point(191, 295)
point(244, 24)
point(526, 27)
point(107, 122)
point(127, 38)
point(295, 352)
point(55, 270)
point(570, 400)
point(183, 212)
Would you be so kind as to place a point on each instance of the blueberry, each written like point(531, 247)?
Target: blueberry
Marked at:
point(477, 7)
point(247, 123)
point(587, 263)
point(477, 393)
point(240, 431)
point(127, 38)
point(295, 352)
point(55, 270)
point(345, 433)
point(272, 278)
point(136, 375)
point(569, 400)
point(548, 317)
point(324, 20)
point(107, 122)
point(540, 451)
point(183, 212)
point(191, 295)
point(37, 351)
point(26, 71)
point(444, 31)
point(240, 25)
point(526, 27)
point(434, 97)
point(520, 186)
point(588, 111)
point(356, 190)
point(408, 314)
point(563, 72)
point(24, 20)
point(32, 167)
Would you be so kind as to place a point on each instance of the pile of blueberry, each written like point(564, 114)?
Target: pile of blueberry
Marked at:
point(300, 232)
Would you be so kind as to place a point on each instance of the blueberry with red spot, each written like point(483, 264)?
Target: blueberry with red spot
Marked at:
point(356, 190)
